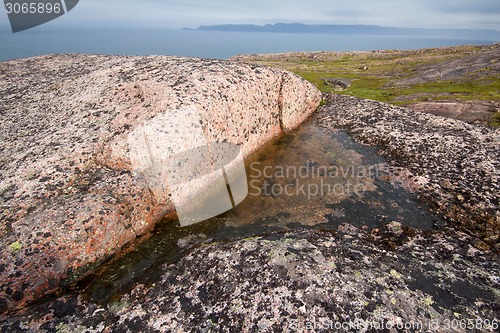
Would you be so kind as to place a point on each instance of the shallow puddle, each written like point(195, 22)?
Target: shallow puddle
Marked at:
point(308, 178)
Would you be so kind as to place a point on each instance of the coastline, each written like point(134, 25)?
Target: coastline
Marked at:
point(396, 274)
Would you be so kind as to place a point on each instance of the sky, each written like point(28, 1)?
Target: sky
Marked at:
point(469, 14)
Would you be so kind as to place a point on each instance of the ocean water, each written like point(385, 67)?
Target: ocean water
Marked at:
point(205, 44)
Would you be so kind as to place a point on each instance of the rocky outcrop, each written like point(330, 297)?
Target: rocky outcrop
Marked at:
point(68, 195)
point(478, 65)
point(338, 84)
point(453, 165)
point(392, 278)
point(300, 281)
point(476, 112)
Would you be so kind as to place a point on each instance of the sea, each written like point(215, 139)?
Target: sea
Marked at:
point(203, 44)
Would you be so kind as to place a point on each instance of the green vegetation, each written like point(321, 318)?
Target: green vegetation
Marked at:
point(483, 89)
point(496, 120)
point(15, 247)
point(398, 77)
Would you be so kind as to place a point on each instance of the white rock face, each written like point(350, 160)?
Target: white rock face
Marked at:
point(68, 193)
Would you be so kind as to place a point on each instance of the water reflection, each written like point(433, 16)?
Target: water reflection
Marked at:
point(308, 178)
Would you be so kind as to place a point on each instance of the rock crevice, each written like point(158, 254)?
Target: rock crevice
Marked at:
point(280, 104)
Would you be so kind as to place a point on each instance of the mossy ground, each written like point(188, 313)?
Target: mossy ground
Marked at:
point(377, 75)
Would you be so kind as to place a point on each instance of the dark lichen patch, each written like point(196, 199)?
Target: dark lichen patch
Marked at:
point(268, 283)
point(450, 164)
point(64, 308)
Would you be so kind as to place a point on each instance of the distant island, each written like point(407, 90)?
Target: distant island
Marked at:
point(357, 29)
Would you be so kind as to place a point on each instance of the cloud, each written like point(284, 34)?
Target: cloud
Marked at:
point(192, 13)
point(487, 7)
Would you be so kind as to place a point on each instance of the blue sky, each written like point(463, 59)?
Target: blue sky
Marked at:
point(474, 14)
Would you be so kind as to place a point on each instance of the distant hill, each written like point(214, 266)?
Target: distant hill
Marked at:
point(358, 29)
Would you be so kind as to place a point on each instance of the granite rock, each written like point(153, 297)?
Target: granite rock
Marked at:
point(298, 281)
point(68, 195)
point(389, 279)
point(452, 165)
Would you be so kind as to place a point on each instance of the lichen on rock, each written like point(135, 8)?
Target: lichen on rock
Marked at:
point(67, 190)
point(452, 165)
point(287, 282)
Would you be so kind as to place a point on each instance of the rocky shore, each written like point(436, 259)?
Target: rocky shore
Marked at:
point(69, 196)
point(389, 279)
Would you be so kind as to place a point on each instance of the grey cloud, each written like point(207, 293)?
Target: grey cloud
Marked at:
point(487, 7)
point(192, 13)
point(350, 12)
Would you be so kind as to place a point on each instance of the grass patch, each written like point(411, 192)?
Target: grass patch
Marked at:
point(375, 94)
point(376, 75)
point(495, 120)
point(468, 90)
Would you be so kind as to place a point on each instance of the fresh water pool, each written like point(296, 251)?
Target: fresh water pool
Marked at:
point(308, 178)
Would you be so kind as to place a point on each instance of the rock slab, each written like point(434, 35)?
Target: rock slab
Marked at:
point(68, 196)
point(452, 165)
point(300, 281)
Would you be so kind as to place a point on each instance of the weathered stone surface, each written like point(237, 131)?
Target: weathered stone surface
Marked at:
point(297, 282)
point(68, 197)
point(480, 112)
point(476, 65)
point(312, 280)
point(453, 165)
point(338, 84)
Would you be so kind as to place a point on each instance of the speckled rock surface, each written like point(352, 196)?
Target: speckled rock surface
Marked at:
point(297, 282)
point(67, 195)
point(454, 166)
point(388, 279)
